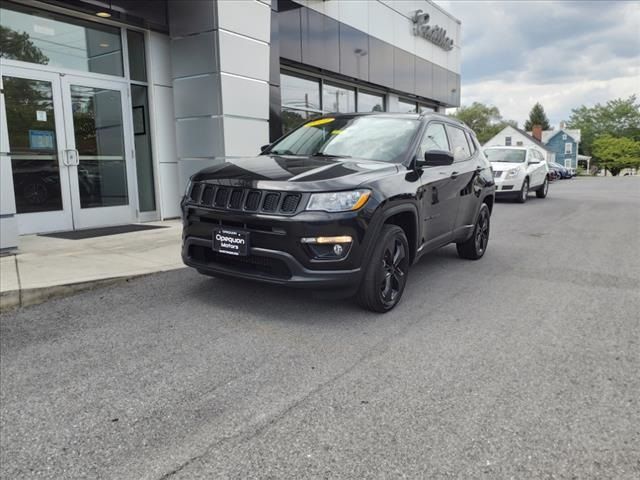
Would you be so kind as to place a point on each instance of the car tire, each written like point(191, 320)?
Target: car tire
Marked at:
point(543, 190)
point(386, 274)
point(475, 246)
point(524, 191)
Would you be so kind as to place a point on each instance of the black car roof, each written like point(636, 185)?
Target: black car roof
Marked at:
point(416, 116)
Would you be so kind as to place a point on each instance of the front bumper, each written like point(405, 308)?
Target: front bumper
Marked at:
point(267, 266)
point(508, 186)
point(276, 254)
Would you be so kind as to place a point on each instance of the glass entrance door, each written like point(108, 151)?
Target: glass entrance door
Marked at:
point(99, 151)
point(70, 149)
point(35, 130)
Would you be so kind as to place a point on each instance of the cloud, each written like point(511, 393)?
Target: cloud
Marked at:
point(563, 54)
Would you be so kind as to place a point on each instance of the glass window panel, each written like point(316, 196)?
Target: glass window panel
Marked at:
point(292, 119)
point(137, 62)
point(459, 145)
point(33, 145)
point(144, 157)
point(425, 109)
point(406, 107)
point(45, 38)
point(338, 99)
point(99, 136)
point(368, 102)
point(435, 138)
point(299, 92)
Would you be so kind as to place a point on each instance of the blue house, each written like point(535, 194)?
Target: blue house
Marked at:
point(564, 143)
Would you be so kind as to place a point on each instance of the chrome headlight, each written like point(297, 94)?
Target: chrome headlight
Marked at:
point(514, 172)
point(338, 201)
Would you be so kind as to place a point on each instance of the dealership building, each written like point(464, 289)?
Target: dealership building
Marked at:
point(109, 106)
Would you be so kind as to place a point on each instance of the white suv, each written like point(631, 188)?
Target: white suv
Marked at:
point(517, 171)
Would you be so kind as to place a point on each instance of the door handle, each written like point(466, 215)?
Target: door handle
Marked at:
point(71, 157)
point(454, 175)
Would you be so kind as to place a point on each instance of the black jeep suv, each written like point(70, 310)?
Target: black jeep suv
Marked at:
point(345, 202)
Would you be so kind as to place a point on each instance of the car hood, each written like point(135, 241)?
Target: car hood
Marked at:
point(502, 166)
point(295, 173)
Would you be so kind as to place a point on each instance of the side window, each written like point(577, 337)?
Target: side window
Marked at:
point(459, 145)
point(472, 144)
point(435, 138)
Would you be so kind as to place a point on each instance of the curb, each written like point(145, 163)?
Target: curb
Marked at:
point(15, 299)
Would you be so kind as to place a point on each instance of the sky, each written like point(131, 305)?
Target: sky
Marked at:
point(561, 53)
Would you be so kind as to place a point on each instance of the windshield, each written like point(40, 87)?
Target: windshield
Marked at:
point(505, 155)
point(382, 139)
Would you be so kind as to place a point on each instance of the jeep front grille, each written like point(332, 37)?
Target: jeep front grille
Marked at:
point(244, 199)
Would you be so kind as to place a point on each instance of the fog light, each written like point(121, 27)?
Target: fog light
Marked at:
point(325, 240)
point(337, 249)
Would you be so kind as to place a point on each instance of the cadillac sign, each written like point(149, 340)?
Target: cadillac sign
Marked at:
point(435, 34)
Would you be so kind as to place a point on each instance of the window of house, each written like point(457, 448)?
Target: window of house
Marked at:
point(46, 38)
point(370, 102)
point(435, 138)
point(568, 148)
point(425, 109)
point(459, 145)
point(564, 137)
point(338, 99)
point(507, 141)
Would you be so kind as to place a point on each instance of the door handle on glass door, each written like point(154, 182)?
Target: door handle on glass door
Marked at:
point(71, 157)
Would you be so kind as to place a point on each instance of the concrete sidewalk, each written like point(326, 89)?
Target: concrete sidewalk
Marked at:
point(45, 267)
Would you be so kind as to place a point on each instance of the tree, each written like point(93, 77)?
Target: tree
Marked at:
point(619, 117)
point(483, 119)
point(616, 153)
point(18, 46)
point(537, 116)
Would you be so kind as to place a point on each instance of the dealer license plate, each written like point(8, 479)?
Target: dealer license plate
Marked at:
point(231, 242)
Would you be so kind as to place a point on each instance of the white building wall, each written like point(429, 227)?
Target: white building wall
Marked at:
point(500, 140)
point(163, 125)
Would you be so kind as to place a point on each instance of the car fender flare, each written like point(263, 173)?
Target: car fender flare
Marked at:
point(381, 217)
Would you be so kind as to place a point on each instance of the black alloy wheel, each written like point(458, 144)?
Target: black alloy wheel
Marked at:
point(386, 276)
point(475, 246)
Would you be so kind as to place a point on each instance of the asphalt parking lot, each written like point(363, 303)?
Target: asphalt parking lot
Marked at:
point(524, 364)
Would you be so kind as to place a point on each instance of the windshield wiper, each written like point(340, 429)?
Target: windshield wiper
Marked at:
point(328, 155)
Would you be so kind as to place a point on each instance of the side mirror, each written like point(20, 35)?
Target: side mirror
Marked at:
point(263, 148)
point(436, 158)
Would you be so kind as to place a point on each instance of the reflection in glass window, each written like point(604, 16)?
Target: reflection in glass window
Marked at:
point(459, 145)
point(99, 137)
point(294, 118)
point(142, 141)
point(338, 99)
point(299, 92)
point(368, 102)
point(135, 46)
point(406, 107)
point(367, 137)
point(31, 130)
point(435, 138)
point(30, 36)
